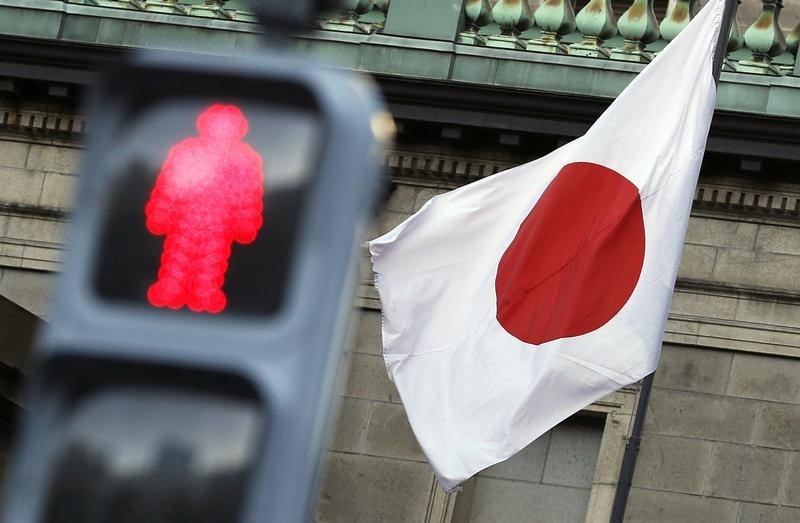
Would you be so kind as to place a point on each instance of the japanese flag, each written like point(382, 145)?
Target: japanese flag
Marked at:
point(513, 302)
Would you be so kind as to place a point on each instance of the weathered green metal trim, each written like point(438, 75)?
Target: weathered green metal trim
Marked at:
point(444, 61)
point(130, 14)
point(428, 60)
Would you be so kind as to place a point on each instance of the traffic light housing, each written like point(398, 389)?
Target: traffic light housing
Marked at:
point(188, 368)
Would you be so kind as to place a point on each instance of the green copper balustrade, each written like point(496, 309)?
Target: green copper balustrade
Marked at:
point(169, 6)
point(513, 17)
point(677, 18)
point(379, 8)
point(236, 10)
point(597, 23)
point(556, 18)
point(357, 16)
point(514, 24)
point(477, 14)
point(630, 37)
point(735, 37)
point(347, 19)
point(765, 40)
point(792, 42)
point(793, 39)
point(639, 27)
point(735, 42)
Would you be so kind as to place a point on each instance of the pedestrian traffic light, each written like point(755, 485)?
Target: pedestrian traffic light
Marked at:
point(187, 372)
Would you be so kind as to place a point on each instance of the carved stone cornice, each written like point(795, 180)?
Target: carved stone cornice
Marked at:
point(40, 123)
point(762, 202)
point(450, 169)
point(752, 202)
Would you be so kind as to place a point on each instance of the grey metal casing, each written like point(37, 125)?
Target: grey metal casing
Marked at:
point(291, 358)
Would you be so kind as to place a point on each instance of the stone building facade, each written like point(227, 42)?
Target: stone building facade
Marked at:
point(474, 93)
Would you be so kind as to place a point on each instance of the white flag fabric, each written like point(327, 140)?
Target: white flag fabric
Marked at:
point(511, 303)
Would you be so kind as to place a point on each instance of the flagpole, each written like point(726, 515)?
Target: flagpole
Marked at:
point(635, 439)
point(631, 452)
point(722, 42)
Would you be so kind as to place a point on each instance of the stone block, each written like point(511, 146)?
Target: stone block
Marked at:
point(746, 473)
point(697, 262)
point(721, 233)
point(752, 513)
point(654, 506)
point(65, 160)
point(368, 338)
point(425, 194)
point(57, 191)
point(351, 427)
point(526, 465)
point(761, 269)
point(765, 377)
point(778, 426)
point(609, 459)
point(692, 369)
point(675, 413)
point(601, 502)
point(671, 463)
point(366, 488)
point(13, 154)
point(19, 186)
point(783, 240)
point(36, 229)
point(10, 253)
point(389, 433)
point(368, 379)
point(517, 502)
point(402, 198)
point(572, 455)
point(28, 289)
point(387, 221)
point(678, 331)
point(365, 269)
point(704, 305)
point(747, 338)
point(41, 258)
point(768, 312)
point(791, 488)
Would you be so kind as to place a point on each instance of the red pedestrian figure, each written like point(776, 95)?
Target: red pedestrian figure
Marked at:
point(208, 195)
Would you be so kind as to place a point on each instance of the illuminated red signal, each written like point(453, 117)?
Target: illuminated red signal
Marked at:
point(208, 194)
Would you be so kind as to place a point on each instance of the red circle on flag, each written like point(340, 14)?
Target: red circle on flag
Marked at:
point(576, 257)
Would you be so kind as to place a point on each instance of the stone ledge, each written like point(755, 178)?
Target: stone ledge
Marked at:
point(450, 171)
point(733, 335)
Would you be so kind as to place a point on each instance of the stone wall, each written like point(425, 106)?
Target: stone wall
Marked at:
point(721, 441)
point(37, 177)
point(552, 478)
point(376, 470)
